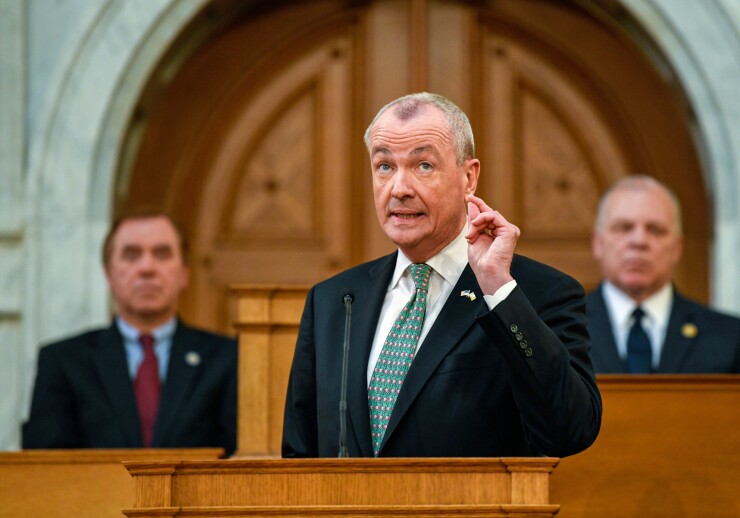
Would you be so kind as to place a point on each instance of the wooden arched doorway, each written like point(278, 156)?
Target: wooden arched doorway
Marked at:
point(252, 135)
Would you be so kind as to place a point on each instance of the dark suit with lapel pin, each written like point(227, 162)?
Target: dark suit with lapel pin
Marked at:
point(515, 381)
point(698, 339)
point(84, 397)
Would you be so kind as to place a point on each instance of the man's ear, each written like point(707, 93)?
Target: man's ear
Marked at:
point(106, 272)
point(678, 250)
point(472, 171)
point(597, 248)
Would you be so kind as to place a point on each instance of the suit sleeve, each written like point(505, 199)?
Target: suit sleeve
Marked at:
point(52, 422)
point(300, 425)
point(546, 349)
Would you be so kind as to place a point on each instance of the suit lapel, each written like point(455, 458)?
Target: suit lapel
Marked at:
point(370, 292)
point(605, 356)
point(109, 357)
point(676, 346)
point(457, 316)
point(180, 375)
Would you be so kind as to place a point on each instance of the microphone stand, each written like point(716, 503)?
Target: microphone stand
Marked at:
point(343, 452)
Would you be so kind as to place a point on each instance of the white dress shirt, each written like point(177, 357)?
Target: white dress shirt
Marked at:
point(447, 267)
point(655, 322)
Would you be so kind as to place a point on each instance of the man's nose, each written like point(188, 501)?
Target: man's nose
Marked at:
point(403, 184)
point(639, 236)
point(147, 262)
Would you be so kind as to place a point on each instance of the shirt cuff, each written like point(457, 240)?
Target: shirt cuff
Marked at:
point(500, 295)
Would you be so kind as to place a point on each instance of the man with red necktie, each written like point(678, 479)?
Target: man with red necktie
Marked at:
point(148, 380)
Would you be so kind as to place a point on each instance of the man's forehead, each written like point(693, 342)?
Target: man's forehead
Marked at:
point(145, 231)
point(631, 202)
point(418, 137)
point(640, 215)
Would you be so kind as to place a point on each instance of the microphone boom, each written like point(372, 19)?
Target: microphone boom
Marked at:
point(347, 299)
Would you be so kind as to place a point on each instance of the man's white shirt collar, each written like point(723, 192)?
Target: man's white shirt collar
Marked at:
point(657, 310)
point(448, 263)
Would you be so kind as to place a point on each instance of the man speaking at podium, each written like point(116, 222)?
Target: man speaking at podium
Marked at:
point(459, 347)
point(148, 380)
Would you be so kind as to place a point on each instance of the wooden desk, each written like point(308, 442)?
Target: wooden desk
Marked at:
point(76, 483)
point(668, 446)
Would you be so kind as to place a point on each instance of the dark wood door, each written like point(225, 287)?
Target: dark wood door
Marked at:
point(255, 137)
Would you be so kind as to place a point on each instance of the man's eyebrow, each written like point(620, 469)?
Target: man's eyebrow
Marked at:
point(379, 150)
point(425, 149)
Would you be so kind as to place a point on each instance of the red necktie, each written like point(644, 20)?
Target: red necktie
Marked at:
point(146, 387)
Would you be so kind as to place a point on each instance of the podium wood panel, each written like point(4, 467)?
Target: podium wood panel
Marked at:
point(668, 446)
point(267, 321)
point(75, 483)
point(346, 487)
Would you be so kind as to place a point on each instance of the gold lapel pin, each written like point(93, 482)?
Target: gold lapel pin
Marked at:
point(192, 358)
point(689, 330)
point(468, 293)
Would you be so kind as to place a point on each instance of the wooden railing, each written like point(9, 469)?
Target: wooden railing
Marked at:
point(76, 483)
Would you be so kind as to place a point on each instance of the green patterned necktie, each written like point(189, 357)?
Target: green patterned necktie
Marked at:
point(396, 356)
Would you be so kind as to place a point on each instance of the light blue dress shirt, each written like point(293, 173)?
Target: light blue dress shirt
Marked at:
point(135, 353)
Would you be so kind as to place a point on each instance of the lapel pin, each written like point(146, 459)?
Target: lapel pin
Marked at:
point(689, 330)
point(192, 358)
point(468, 293)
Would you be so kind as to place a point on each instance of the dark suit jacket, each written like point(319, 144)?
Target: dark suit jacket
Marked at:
point(84, 397)
point(471, 389)
point(714, 349)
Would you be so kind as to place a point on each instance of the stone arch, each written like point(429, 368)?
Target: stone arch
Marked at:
point(72, 159)
point(701, 42)
point(71, 168)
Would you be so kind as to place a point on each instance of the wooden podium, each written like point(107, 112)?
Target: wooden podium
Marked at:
point(668, 446)
point(343, 487)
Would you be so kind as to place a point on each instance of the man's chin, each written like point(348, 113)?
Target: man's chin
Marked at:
point(150, 311)
point(636, 288)
point(404, 241)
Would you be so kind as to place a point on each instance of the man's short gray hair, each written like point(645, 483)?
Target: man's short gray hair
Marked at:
point(636, 183)
point(408, 106)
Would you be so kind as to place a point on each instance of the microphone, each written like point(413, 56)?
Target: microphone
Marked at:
point(347, 298)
